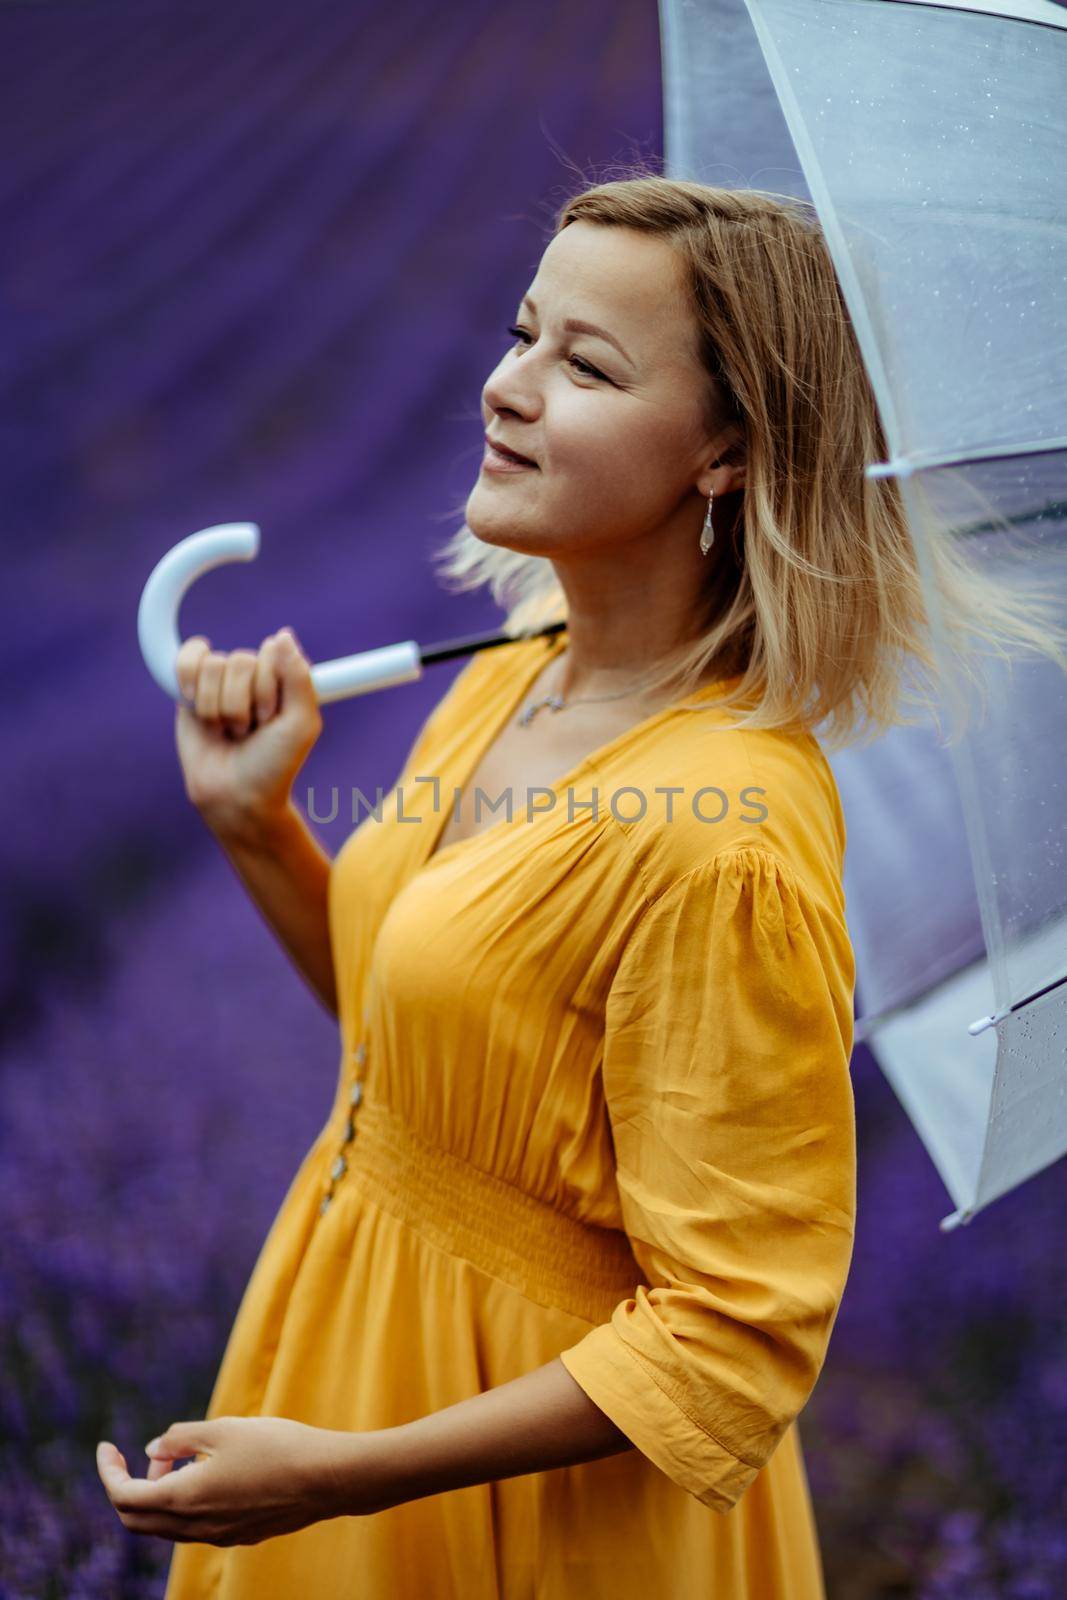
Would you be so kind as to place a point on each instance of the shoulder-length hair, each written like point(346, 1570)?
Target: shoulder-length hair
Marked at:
point(817, 602)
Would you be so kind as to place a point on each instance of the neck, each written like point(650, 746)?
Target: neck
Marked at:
point(622, 634)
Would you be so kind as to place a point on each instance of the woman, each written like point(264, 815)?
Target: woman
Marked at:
point(546, 1298)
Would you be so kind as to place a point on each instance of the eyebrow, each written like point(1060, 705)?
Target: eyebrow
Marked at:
point(576, 325)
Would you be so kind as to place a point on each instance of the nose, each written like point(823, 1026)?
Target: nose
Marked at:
point(512, 390)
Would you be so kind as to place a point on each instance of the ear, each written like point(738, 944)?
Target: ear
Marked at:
point(723, 471)
point(720, 478)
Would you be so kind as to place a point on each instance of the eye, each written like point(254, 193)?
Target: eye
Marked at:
point(576, 361)
point(586, 370)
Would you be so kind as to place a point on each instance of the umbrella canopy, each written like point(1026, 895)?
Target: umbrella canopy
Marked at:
point(930, 138)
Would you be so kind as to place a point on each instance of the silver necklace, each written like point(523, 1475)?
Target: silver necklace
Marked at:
point(557, 703)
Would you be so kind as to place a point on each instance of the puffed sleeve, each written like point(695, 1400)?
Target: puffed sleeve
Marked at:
point(726, 1077)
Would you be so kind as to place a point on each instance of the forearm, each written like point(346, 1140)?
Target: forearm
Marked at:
point(542, 1420)
point(287, 873)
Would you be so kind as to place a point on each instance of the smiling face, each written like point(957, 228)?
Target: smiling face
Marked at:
point(614, 421)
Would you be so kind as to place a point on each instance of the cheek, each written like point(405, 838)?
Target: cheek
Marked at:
point(620, 458)
point(583, 434)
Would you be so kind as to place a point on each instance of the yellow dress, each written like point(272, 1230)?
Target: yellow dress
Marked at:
point(596, 1059)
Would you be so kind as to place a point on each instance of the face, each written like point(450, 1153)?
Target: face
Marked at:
point(613, 420)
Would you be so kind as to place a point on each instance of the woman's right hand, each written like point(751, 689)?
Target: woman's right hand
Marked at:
point(256, 719)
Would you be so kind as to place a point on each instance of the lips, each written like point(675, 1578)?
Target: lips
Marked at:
point(510, 455)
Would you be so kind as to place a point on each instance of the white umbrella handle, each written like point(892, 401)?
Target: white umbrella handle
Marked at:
point(161, 598)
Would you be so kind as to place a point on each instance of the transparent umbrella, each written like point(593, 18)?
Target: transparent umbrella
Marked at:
point(931, 139)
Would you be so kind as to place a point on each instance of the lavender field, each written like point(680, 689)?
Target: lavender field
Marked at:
point(255, 263)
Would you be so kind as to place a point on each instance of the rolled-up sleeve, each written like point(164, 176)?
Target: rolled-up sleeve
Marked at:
point(726, 1073)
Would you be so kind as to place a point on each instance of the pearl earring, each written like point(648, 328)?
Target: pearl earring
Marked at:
point(707, 532)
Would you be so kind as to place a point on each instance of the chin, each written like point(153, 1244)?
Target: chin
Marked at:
point(494, 524)
point(492, 529)
point(501, 537)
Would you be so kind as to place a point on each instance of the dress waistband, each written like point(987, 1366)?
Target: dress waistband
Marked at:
point(552, 1259)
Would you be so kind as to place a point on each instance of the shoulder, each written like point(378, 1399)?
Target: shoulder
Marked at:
point(741, 928)
point(701, 796)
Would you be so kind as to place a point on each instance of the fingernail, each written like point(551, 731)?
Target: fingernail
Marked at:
point(151, 1447)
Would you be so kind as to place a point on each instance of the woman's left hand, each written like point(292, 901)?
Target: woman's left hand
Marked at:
point(257, 1477)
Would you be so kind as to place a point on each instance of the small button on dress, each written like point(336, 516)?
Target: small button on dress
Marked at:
point(594, 1105)
point(355, 1095)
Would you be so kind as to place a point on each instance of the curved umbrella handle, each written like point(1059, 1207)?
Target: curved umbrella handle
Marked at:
point(161, 598)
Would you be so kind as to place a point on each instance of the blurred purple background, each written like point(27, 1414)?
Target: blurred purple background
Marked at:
point(255, 263)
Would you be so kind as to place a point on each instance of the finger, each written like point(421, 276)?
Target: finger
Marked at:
point(297, 685)
point(235, 694)
point(172, 1447)
point(181, 1439)
point(265, 685)
point(160, 1526)
point(124, 1492)
point(187, 663)
point(209, 685)
point(159, 1466)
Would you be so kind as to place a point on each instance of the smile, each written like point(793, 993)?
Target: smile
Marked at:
point(495, 461)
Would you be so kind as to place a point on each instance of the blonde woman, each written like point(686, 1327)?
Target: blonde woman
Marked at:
point(548, 1294)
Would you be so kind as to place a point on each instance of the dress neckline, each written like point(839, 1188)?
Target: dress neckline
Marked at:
point(526, 672)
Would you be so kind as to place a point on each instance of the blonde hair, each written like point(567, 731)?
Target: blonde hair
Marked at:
point(817, 601)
